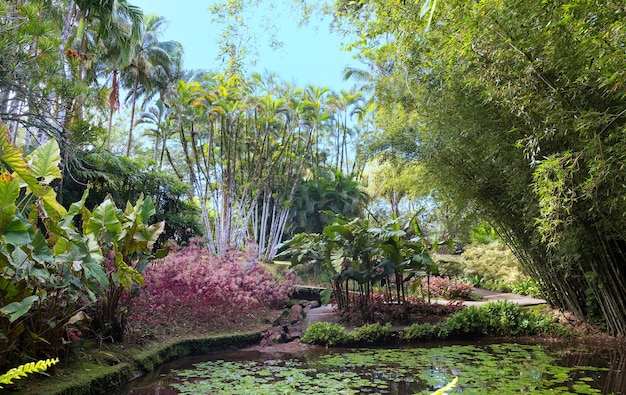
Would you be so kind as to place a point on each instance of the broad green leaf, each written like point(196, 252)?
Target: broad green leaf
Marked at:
point(66, 223)
point(162, 253)
point(104, 218)
point(343, 230)
point(24, 174)
point(96, 271)
point(9, 192)
point(147, 210)
point(44, 162)
point(50, 203)
point(61, 246)
point(127, 274)
point(150, 234)
point(17, 309)
point(18, 233)
point(95, 251)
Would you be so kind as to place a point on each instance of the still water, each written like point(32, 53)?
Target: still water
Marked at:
point(481, 368)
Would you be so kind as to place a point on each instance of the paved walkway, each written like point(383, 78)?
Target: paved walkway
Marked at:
point(488, 296)
point(327, 313)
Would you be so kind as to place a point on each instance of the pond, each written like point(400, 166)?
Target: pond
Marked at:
point(481, 368)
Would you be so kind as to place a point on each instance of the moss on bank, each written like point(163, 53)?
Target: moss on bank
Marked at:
point(110, 369)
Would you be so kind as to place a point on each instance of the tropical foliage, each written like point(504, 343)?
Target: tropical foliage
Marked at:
point(55, 263)
point(318, 199)
point(193, 287)
point(360, 258)
point(518, 110)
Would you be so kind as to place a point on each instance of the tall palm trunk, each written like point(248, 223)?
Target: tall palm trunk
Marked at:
point(114, 105)
point(132, 115)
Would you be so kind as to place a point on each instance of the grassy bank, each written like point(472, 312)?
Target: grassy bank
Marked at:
point(108, 368)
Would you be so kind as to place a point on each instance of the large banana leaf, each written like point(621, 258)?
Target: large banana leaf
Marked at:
point(44, 162)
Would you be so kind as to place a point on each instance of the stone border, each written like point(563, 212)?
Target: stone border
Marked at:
point(109, 378)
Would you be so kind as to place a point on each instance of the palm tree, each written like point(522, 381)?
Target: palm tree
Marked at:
point(315, 113)
point(160, 128)
point(152, 66)
point(343, 105)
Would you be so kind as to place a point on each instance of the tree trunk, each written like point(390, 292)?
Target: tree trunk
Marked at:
point(132, 115)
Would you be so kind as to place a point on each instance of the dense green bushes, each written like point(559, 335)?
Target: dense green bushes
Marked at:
point(501, 318)
point(325, 334)
point(491, 266)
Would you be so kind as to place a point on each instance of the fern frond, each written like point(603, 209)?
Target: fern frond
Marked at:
point(26, 369)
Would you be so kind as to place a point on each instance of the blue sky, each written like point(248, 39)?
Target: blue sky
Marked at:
point(310, 54)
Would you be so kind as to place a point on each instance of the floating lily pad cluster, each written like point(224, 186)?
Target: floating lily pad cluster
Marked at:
point(497, 368)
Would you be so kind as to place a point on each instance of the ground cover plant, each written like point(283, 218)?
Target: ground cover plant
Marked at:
point(194, 289)
point(445, 287)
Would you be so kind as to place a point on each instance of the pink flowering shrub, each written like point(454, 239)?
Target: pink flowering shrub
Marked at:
point(444, 287)
point(190, 287)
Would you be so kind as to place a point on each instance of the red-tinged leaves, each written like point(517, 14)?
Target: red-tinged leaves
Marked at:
point(191, 285)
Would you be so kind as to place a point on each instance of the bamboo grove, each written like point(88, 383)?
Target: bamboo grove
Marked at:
point(519, 111)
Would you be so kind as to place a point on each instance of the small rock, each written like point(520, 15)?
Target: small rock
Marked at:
point(276, 338)
point(295, 314)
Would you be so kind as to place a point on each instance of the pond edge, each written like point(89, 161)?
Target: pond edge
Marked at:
point(100, 379)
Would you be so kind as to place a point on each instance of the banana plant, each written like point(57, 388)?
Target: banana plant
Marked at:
point(361, 257)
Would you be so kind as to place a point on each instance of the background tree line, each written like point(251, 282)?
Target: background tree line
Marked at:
point(223, 154)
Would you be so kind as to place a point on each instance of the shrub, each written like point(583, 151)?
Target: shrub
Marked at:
point(194, 287)
point(324, 334)
point(448, 288)
point(527, 287)
point(493, 261)
point(500, 318)
point(370, 333)
point(420, 332)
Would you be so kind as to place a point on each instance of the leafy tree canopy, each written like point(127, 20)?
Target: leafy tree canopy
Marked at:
point(518, 109)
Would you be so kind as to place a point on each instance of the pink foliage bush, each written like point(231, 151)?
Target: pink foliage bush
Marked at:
point(193, 287)
point(445, 287)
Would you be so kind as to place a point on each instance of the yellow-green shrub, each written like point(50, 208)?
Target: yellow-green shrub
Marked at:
point(492, 262)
